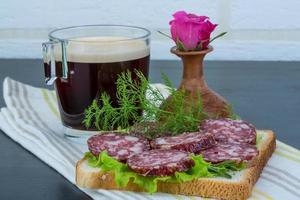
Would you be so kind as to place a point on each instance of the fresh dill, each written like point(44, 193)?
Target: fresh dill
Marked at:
point(144, 109)
point(231, 114)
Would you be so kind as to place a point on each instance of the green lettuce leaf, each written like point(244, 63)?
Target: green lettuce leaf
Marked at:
point(225, 169)
point(92, 160)
point(259, 138)
point(149, 183)
point(200, 169)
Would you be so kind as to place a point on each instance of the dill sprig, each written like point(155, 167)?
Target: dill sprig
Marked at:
point(145, 107)
point(231, 113)
point(177, 113)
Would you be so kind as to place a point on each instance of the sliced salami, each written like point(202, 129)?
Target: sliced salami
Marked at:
point(160, 162)
point(228, 130)
point(190, 142)
point(117, 145)
point(230, 151)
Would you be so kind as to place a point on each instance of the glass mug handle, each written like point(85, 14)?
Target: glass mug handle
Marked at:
point(51, 72)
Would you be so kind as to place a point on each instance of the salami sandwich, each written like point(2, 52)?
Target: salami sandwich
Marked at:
point(223, 160)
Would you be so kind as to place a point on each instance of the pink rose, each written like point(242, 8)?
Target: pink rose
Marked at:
point(191, 31)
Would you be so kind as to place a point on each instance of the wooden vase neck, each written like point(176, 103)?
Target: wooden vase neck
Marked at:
point(193, 73)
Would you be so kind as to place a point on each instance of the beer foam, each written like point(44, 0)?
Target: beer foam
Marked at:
point(103, 50)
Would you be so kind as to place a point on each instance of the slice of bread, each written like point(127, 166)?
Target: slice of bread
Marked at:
point(238, 187)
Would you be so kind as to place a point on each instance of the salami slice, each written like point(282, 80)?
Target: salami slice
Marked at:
point(230, 151)
point(228, 130)
point(119, 146)
point(190, 142)
point(160, 162)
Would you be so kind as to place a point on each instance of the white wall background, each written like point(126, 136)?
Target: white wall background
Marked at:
point(257, 29)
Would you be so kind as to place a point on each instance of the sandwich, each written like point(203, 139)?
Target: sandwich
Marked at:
point(222, 159)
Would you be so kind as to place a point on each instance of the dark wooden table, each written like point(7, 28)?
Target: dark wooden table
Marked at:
point(264, 93)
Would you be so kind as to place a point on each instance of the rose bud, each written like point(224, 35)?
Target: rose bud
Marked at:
point(191, 32)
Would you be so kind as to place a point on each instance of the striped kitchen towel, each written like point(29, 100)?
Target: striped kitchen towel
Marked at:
point(32, 119)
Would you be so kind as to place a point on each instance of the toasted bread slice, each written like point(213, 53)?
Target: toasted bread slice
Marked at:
point(238, 187)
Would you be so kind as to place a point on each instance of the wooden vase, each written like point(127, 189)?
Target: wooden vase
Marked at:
point(193, 83)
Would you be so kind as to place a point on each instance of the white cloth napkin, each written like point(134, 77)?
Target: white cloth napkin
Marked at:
point(32, 119)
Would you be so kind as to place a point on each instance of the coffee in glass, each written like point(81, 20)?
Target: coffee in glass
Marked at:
point(84, 66)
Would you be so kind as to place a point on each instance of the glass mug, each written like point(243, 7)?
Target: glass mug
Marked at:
point(84, 61)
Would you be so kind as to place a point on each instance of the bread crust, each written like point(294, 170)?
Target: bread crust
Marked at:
point(204, 187)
